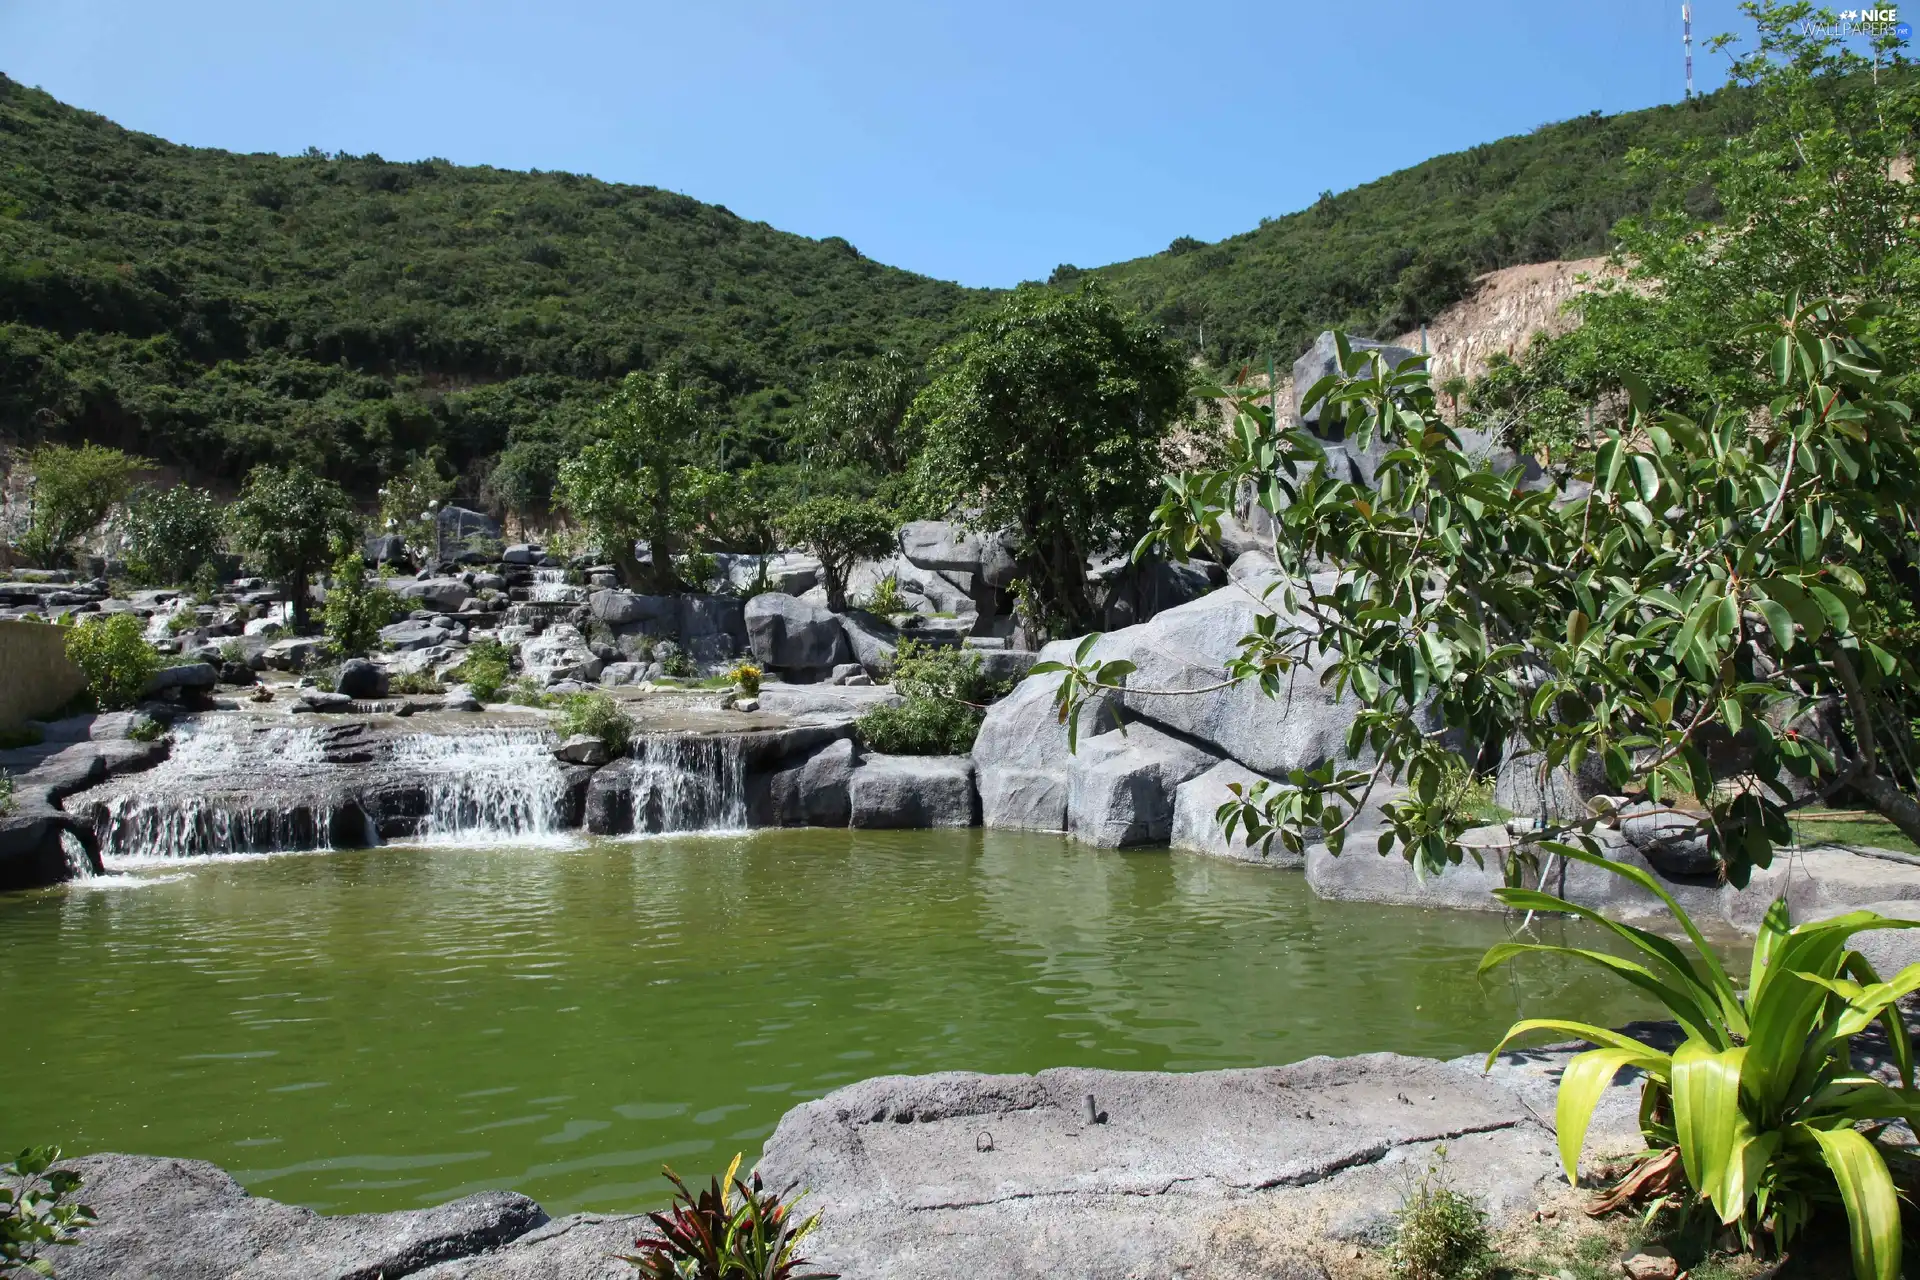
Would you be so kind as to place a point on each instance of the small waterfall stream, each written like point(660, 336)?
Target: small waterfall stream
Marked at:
point(501, 784)
point(683, 782)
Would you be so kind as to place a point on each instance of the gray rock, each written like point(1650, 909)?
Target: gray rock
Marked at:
point(1255, 562)
point(560, 653)
point(179, 1219)
point(1322, 358)
point(413, 634)
point(720, 617)
point(582, 1246)
point(872, 639)
point(457, 524)
point(941, 544)
point(788, 634)
point(1009, 666)
point(384, 548)
point(582, 748)
point(191, 675)
point(1120, 790)
point(524, 553)
point(938, 589)
point(1675, 844)
point(825, 702)
point(459, 697)
point(1137, 593)
point(1021, 755)
point(1195, 828)
point(624, 608)
point(322, 700)
point(443, 595)
point(914, 791)
point(619, 674)
point(361, 679)
point(812, 793)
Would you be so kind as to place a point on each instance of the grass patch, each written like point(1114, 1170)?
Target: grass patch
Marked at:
point(1850, 826)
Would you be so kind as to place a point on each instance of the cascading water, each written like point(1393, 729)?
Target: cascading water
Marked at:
point(550, 586)
point(501, 784)
point(686, 782)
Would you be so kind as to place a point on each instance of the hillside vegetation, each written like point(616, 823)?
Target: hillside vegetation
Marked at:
point(214, 311)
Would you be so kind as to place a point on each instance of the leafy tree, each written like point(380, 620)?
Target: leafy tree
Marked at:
point(171, 533)
point(113, 654)
point(1052, 418)
point(355, 611)
point(840, 532)
point(286, 521)
point(631, 483)
point(857, 414)
point(410, 503)
point(73, 490)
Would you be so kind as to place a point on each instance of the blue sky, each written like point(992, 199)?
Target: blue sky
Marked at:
point(984, 141)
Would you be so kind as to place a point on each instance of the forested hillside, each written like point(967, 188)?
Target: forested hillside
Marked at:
point(1385, 257)
point(217, 310)
point(214, 310)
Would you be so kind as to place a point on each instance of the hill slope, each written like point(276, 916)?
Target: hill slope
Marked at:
point(1385, 257)
point(215, 310)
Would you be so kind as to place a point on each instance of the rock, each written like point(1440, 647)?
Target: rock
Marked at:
point(1322, 358)
point(824, 701)
point(558, 654)
point(913, 791)
point(624, 608)
point(750, 703)
point(941, 544)
point(813, 793)
point(1021, 756)
point(263, 627)
point(443, 595)
point(1009, 666)
point(1138, 592)
point(712, 627)
point(843, 671)
point(1211, 1175)
point(938, 589)
point(787, 634)
point(871, 639)
point(1120, 789)
point(459, 697)
point(1254, 563)
point(618, 674)
point(524, 553)
point(457, 524)
point(168, 1219)
point(413, 634)
point(1675, 844)
point(359, 678)
point(384, 548)
point(582, 748)
point(323, 701)
point(191, 675)
point(1195, 828)
point(1650, 1262)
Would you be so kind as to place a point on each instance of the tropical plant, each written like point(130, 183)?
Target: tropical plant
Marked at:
point(596, 715)
point(840, 532)
point(733, 1230)
point(486, 668)
point(885, 598)
point(1439, 1233)
point(355, 611)
point(112, 652)
point(286, 521)
point(746, 678)
point(1052, 418)
point(631, 483)
point(73, 490)
point(36, 1211)
point(1755, 1113)
point(172, 533)
point(698, 569)
point(415, 682)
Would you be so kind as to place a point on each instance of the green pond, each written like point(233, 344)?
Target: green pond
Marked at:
point(390, 1028)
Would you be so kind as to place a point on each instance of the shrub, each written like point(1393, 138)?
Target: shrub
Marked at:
point(747, 677)
point(942, 671)
point(286, 520)
point(839, 532)
point(6, 792)
point(146, 729)
point(698, 569)
point(1440, 1234)
point(355, 612)
point(920, 727)
point(885, 598)
point(182, 619)
point(597, 715)
point(233, 652)
point(173, 535)
point(73, 489)
point(414, 682)
point(115, 657)
point(522, 691)
point(35, 1211)
point(1754, 1114)
point(734, 1230)
point(486, 669)
point(676, 663)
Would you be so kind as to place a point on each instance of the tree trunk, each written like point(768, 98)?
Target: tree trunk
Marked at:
point(297, 596)
point(1894, 804)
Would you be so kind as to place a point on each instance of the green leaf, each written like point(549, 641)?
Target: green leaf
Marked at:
point(1779, 621)
point(1873, 1207)
point(1836, 612)
point(1583, 1082)
point(1684, 1006)
point(1705, 1086)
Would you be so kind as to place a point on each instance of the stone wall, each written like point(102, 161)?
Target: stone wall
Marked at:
point(35, 677)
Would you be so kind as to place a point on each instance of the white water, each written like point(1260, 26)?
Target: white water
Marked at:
point(688, 783)
point(498, 785)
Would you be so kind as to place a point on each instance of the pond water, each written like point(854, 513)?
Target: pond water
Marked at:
point(389, 1028)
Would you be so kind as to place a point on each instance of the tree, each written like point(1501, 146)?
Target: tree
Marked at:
point(355, 612)
point(840, 532)
point(72, 492)
point(410, 504)
point(171, 532)
point(112, 652)
point(286, 520)
point(631, 483)
point(857, 414)
point(1052, 417)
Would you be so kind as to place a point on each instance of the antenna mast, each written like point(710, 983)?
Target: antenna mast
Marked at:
point(1686, 41)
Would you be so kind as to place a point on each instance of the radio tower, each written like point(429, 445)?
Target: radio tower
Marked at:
point(1686, 42)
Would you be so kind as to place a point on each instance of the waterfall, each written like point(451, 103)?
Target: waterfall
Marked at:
point(215, 794)
point(550, 586)
point(684, 782)
point(501, 784)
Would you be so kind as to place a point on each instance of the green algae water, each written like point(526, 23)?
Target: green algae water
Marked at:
point(389, 1028)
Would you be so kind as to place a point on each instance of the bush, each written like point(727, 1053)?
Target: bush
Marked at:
point(920, 727)
point(487, 668)
point(733, 1231)
point(885, 598)
point(35, 1211)
point(182, 619)
point(115, 657)
point(942, 671)
point(698, 569)
point(173, 534)
point(597, 715)
point(1442, 1235)
point(524, 692)
point(146, 729)
point(414, 682)
point(6, 792)
point(676, 663)
point(73, 489)
point(355, 612)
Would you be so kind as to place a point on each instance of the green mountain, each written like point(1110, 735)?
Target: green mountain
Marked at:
point(214, 310)
point(1385, 257)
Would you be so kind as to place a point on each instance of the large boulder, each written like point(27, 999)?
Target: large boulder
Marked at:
point(457, 524)
point(443, 595)
point(165, 1218)
point(788, 634)
point(1021, 757)
point(871, 638)
point(559, 653)
point(188, 675)
point(1323, 358)
point(814, 792)
point(624, 608)
point(1120, 790)
point(1196, 828)
point(419, 633)
point(359, 678)
point(712, 627)
point(941, 544)
point(1138, 592)
point(913, 791)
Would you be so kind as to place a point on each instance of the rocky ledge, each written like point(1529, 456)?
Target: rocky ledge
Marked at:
point(1073, 1172)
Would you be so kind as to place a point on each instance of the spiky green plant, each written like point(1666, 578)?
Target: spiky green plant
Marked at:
point(1755, 1113)
point(734, 1230)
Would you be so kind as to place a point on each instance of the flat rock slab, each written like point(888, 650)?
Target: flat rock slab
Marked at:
point(584, 1246)
point(164, 1219)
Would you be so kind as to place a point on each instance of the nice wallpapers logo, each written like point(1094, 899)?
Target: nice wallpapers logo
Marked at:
point(1866, 22)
